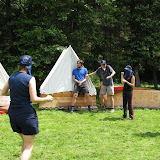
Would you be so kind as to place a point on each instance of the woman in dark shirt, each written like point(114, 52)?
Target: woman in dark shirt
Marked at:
point(128, 80)
point(23, 118)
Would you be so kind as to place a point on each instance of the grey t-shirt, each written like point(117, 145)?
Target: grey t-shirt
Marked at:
point(105, 73)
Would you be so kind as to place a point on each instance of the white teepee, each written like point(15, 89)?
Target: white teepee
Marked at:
point(3, 77)
point(60, 77)
point(4, 100)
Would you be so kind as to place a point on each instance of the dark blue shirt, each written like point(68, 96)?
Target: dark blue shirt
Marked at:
point(80, 73)
point(19, 88)
point(105, 73)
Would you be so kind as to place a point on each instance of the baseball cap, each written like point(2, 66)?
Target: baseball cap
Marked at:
point(25, 60)
point(103, 62)
point(128, 67)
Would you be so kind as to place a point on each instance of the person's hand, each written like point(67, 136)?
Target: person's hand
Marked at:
point(80, 83)
point(122, 73)
point(108, 77)
point(49, 98)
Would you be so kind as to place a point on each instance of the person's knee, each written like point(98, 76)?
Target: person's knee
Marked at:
point(112, 97)
point(101, 96)
point(28, 139)
point(28, 146)
point(75, 95)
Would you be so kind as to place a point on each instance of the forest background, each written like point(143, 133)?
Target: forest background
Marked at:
point(120, 31)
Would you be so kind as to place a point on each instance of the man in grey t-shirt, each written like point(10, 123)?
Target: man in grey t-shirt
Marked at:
point(106, 72)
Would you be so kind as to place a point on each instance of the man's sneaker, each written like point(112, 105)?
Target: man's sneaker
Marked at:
point(131, 118)
point(71, 112)
point(123, 117)
point(112, 110)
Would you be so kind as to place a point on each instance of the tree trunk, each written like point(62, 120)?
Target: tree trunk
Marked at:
point(154, 71)
point(136, 69)
point(155, 78)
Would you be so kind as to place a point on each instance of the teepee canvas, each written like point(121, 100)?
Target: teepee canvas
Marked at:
point(3, 77)
point(4, 100)
point(59, 82)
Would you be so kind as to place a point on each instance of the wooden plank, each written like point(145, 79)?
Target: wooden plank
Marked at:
point(140, 88)
point(141, 99)
point(65, 99)
point(146, 99)
point(62, 103)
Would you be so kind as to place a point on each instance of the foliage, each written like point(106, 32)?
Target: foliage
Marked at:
point(122, 32)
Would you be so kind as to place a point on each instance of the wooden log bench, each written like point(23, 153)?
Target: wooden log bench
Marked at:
point(142, 98)
point(64, 99)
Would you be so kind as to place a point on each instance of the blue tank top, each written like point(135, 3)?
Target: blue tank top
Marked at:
point(19, 89)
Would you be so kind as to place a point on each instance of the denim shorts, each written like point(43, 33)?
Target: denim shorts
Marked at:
point(23, 120)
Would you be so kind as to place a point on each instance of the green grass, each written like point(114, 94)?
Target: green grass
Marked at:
point(88, 136)
point(144, 85)
point(147, 85)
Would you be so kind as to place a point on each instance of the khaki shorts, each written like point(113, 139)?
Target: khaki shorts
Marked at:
point(109, 89)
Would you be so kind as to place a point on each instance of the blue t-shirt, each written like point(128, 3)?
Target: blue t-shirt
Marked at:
point(80, 73)
point(19, 88)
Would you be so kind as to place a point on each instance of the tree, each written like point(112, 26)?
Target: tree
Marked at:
point(143, 37)
point(28, 27)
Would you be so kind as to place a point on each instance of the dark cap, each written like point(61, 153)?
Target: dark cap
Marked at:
point(25, 60)
point(103, 62)
point(128, 67)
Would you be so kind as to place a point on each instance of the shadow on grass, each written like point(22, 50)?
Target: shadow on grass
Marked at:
point(110, 119)
point(77, 111)
point(148, 134)
point(82, 112)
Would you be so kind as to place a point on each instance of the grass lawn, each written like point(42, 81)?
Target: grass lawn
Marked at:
point(88, 136)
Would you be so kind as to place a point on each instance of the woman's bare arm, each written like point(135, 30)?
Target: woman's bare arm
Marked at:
point(33, 93)
point(5, 90)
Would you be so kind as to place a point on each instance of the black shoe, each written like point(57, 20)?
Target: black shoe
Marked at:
point(123, 117)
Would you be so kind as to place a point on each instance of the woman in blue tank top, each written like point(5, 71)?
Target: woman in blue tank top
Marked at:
point(23, 118)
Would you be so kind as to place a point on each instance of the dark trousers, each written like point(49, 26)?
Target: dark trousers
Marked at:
point(127, 99)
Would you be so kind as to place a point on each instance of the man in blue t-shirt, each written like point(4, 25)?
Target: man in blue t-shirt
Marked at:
point(106, 72)
point(80, 76)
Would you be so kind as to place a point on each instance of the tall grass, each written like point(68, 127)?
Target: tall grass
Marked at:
point(88, 136)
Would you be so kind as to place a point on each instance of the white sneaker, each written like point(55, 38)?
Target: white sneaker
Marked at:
point(112, 110)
